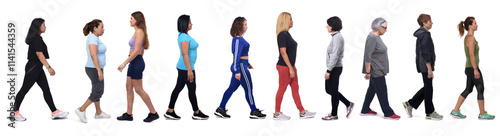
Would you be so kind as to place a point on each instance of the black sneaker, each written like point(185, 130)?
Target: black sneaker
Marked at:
point(125, 117)
point(257, 114)
point(222, 113)
point(200, 116)
point(151, 117)
point(171, 115)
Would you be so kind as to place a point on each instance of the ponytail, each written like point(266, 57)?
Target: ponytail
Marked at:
point(461, 29)
point(89, 27)
point(464, 25)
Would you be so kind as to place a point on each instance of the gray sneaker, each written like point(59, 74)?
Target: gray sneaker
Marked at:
point(408, 109)
point(307, 114)
point(434, 116)
point(281, 116)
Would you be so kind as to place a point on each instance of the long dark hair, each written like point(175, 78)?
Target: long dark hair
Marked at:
point(141, 24)
point(465, 25)
point(34, 29)
point(89, 27)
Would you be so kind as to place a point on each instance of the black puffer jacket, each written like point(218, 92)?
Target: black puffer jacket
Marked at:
point(424, 50)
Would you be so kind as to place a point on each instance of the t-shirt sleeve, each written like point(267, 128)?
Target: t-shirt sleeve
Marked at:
point(184, 37)
point(282, 39)
point(370, 44)
point(38, 44)
point(92, 40)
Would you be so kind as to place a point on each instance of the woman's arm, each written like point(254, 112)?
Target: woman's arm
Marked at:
point(42, 59)
point(139, 37)
point(471, 42)
point(287, 61)
point(95, 60)
point(185, 57)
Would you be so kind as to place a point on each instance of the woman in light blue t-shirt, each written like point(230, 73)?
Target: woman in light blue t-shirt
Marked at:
point(94, 68)
point(185, 70)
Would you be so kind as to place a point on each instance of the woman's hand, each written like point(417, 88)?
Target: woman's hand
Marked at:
point(292, 72)
point(327, 76)
point(51, 71)
point(250, 67)
point(476, 74)
point(367, 76)
point(101, 76)
point(190, 76)
point(120, 68)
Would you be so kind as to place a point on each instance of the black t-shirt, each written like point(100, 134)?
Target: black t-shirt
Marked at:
point(286, 40)
point(37, 45)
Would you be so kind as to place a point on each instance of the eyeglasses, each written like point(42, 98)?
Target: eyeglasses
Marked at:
point(384, 27)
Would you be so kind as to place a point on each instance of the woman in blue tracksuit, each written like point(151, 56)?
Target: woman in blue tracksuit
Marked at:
point(240, 74)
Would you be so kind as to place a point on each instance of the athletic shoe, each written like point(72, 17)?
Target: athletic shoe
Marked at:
point(257, 114)
point(171, 115)
point(457, 114)
point(281, 116)
point(408, 109)
point(103, 115)
point(19, 117)
point(125, 117)
point(200, 116)
point(58, 114)
point(393, 117)
point(371, 113)
point(486, 116)
point(307, 115)
point(349, 109)
point(222, 113)
point(151, 117)
point(81, 115)
point(330, 117)
point(434, 116)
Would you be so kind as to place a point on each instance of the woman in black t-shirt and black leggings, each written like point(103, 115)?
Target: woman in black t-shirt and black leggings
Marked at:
point(37, 58)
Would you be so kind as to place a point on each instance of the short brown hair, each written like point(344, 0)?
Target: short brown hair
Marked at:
point(237, 27)
point(423, 18)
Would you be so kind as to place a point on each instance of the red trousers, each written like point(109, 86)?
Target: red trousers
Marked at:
point(284, 81)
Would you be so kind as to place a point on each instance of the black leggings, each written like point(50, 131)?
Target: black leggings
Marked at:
point(182, 80)
point(34, 73)
point(332, 88)
point(471, 82)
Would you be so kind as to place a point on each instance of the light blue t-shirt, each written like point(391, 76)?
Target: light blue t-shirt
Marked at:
point(101, 50)
point(192, 51)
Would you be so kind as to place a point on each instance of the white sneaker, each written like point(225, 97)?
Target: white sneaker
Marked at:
point(281, 116)
point(103, 115)
point(58, 114)
point(307, 115)
point(81, 115)
point(19, 117)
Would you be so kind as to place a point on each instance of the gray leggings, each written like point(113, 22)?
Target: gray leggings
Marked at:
point(97, 86)
point(471, 82)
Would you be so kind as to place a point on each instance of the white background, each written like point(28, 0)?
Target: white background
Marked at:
point(211, 20)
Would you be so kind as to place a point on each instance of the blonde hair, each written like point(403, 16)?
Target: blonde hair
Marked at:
point(283, 23)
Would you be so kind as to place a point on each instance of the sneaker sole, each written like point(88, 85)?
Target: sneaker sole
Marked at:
point(428, 118)
point(457, 117)
point(306, 117)
point(256, 117)
point(391, 118)
point(280, 119)
point(198, 118)
point(220, 115)
point(406, 109)
point(170, 117)
point(151, 120)
point(63, 117)
point(485, 119)
point(364, 114)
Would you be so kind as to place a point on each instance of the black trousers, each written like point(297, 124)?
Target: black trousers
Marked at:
point(34, 73)
point(471, 82)
point(332, 88)
point(182, 80)
point(424, 94)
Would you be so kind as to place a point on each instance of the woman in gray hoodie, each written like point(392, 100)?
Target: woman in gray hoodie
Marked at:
point(425, 58)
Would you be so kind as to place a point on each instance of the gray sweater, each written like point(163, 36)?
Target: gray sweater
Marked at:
point(376, 54)
point(335, 52)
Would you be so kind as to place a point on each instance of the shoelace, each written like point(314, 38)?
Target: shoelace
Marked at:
point(17, 113)
point(55, 112)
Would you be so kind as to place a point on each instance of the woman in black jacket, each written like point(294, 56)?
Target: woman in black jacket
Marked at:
point(425, 58)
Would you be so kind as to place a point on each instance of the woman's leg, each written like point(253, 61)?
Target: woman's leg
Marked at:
point(233, 86)
point(181, 81)
point(130, 95)
point(137, 83)
point(246, 83)
point(284, 79)
point(294, 84)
